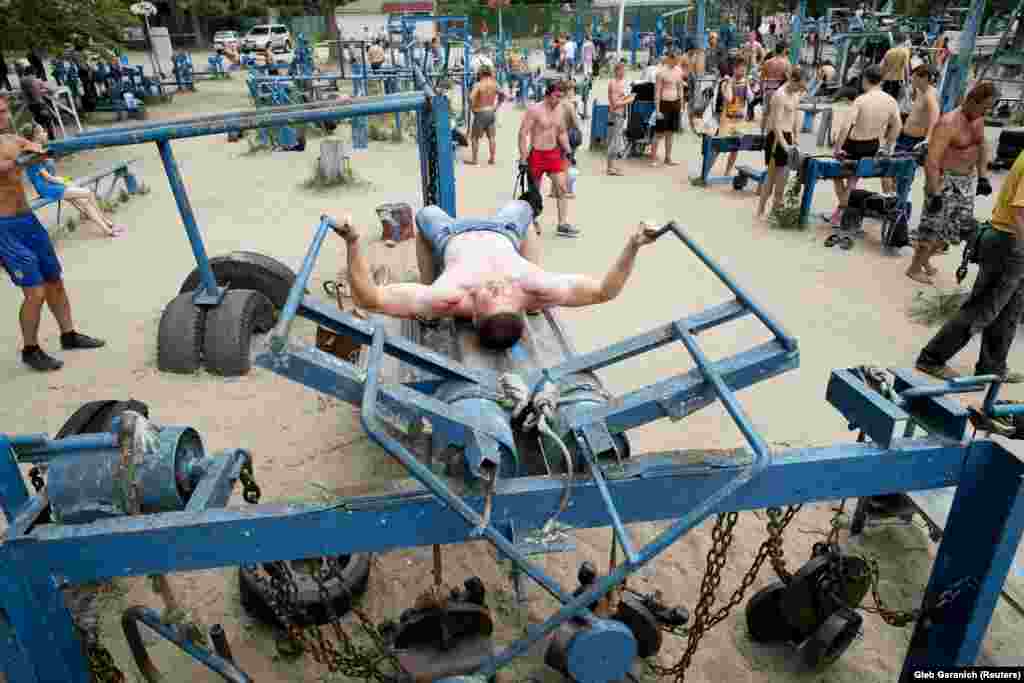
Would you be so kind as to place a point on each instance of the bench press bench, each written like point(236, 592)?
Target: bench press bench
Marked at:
point(119, 171)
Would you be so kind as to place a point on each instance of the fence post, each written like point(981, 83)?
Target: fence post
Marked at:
point(445, 156)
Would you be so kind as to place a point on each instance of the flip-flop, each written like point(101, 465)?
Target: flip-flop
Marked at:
point(833, 240)
point(846, 243)
point(471, 163)
point(671, 163)
point(923, 278)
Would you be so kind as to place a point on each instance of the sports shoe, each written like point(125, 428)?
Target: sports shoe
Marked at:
point(566, 230)
point(942, 372)
point(74, 340)
point(37, 359)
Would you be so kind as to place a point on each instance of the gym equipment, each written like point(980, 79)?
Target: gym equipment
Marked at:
point(189, 328)
point(711, 146)
point(814, 168)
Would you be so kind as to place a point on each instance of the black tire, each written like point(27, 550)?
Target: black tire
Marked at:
point(254, 588)
point(831, 640)
point(179, 340)
point(229, 328)
point(103, 422)
point(765, 623)
point(249, 270)
point(80, 420)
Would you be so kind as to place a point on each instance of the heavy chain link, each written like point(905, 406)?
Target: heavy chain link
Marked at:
point(250, 489)
point(721, 540)
point(432, 189)
point(102, 666)
point(35, 475)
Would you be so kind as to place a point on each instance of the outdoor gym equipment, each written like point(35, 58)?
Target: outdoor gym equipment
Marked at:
point(979, 540)
point(208, 324)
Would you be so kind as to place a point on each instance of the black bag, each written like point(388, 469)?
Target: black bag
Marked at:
point(526, 190)
point(575, 138)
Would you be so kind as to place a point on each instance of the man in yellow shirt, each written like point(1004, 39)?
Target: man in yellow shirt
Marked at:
point(895, 65)
point(997, 299)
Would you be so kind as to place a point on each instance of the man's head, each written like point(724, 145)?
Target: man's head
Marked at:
point(739, 67)
point(979, 100)
point(923, 76)
point(671, 58)
point(497, 317)
point(872, 77)
point(619, 71)
point(485, 71)
point(5, 112)
point(780, 49)
point(553, 94)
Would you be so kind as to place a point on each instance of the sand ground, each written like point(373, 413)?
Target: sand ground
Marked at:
point(846, 308)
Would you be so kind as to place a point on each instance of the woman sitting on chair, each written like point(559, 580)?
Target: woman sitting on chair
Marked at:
point(55, 188)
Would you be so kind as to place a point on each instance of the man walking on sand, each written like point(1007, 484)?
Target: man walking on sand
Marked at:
point(483, 100)
point(618, 100)
point(773, 73)
point(874, 116)
point(997, 298)
point(668, 103)
point(956, 169)
point(783, 134)
point(27, 255)
point(544, 149)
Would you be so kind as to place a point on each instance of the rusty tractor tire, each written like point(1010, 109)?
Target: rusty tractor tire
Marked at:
point(255, 592)
point(81, 419)
point(249, 270)
point(229, 328)
point(179, 341)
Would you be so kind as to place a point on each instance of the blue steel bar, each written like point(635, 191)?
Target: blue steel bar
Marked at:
point(28, 515)
point(27, 440)
point(279, 336)
point(51, 448)
point(209, 293)
point(960, 385)
point(130, 623)
point(13, 492)
point(757, 444)
point(784, 338)
point(368, 418)
point(602, 486)
point(256, 118)
point(648, 341)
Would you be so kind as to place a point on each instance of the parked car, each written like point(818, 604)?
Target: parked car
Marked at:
point(267, 35)
point(223, 39)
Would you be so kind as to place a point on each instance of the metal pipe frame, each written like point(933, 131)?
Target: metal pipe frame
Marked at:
point(431, 108)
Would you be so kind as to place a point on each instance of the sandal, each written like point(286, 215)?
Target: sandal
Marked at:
point(615, 171)
point(833, 239)
point(846, 243)
point(923, 278)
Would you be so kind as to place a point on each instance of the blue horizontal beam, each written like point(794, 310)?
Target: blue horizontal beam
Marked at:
point(689, 392)
point(654, 487)
point(245, 120)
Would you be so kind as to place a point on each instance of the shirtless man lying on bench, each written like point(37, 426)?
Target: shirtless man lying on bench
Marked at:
point(484, 270)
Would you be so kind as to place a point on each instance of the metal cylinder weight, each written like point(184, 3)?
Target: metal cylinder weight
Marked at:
point(84, 486)
point(599, 652)
point(579, 393)
point(498, 453)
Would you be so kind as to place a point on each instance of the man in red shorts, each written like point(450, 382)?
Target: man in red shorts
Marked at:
point(544, 149)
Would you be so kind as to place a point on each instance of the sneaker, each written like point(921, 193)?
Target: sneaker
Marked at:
point(942, 372)
point(566, 230)
point(37, 359)
point(1008, 377)
point(75, 340)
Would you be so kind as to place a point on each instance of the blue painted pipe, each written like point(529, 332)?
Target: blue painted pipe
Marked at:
point(215, 663)
point(209, 289)
point(279, 336)
point(26, 440)
point(43, 451)
point(959, 385)
point(787, 341)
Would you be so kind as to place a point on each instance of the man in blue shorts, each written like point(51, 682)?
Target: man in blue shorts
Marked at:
point(27, 255)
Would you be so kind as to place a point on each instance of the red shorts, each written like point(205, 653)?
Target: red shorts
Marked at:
point(546, 161)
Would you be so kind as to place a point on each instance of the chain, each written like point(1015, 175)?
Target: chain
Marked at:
point(102, 666)
point(250, 489)
point(35, 475)
point(721, 539)
point(432, 189)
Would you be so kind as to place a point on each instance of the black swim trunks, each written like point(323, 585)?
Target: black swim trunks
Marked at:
point(781, 155)
point(671, 114)
point(860, 149)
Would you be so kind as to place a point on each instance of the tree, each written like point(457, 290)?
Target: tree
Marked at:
point(50, 24)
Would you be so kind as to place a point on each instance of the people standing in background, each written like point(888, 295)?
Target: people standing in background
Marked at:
point(618, 100)
point(36, 90)
point(5, 81)
point(668, 103)
point(896, 66)
point(587, 54)
point(483, 101)
point(736, 94)
point(37, 63)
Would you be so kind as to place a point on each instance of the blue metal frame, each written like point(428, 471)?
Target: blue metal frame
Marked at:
point(431, 109)
point(711, 146)
point(901, 168)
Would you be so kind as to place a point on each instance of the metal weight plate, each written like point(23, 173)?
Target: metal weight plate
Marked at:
point(832, 639)
point(765, 622)
point(442, 628)
point(642, 623)
point(801, 607)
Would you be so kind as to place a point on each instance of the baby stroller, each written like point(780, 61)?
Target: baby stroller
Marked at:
point(640, 120)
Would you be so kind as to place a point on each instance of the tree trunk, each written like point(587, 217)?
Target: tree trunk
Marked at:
point(331, 18)
point(332, 159)
point(197, 28)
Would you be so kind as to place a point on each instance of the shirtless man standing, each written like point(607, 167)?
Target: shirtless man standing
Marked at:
point(668, 102)
point(618, 100)
point(544, 149)
point(482, 100)
point(483, 270)
point(956, 152)
point(27, 255)
point(872, 117)
point(783, 133)
point(773, 73)
point(924, 113)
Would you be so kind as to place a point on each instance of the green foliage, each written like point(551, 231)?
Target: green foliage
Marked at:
point(50, 24)
point(934, 307)
point(787, 216)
